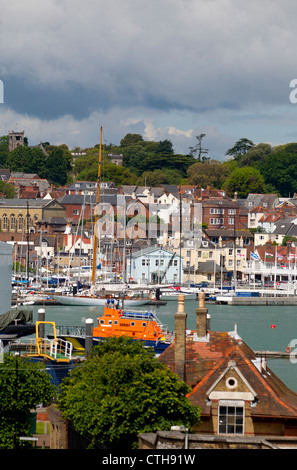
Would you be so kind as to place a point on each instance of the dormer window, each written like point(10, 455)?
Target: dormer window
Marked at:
point(231, 417)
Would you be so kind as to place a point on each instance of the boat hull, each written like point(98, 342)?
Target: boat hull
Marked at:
point(94, 301)
point(174, 296)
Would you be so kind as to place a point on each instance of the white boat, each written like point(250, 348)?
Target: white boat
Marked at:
point(89, 301)
point(173, 293)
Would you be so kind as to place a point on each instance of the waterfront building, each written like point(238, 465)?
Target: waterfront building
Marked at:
point(154, 265)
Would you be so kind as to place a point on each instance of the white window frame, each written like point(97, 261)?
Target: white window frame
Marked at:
point(230, 421)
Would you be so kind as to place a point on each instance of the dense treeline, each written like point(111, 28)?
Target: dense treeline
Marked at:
point(247, 167)
point(49, 161)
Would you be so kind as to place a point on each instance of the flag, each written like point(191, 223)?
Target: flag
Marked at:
point(254, 255)
point(240, 254)
point(268, 254)
point(279, 256)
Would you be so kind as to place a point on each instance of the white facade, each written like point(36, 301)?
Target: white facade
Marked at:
point(155, 265)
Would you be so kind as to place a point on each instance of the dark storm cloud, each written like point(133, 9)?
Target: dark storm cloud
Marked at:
point(176, 66)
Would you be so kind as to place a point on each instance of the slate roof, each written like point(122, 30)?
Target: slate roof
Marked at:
point(270, 200)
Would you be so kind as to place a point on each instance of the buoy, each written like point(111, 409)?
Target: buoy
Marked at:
point(272, 326)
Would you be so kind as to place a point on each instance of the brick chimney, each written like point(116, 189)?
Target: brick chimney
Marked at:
point(202, 320)
point(180, 338)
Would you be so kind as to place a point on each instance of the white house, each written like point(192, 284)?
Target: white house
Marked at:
point(155, 265)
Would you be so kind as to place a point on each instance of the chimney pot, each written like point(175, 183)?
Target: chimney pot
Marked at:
point(202, 319)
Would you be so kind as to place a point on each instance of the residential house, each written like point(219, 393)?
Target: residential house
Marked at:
point(266, 201)
point(209, 193)
point(236, 391)
point(90, 187)
point(77, 206)
point(4, 174)
point(45, 247)
point(27, 182)
point(221, 236)
point(116, 159)
point(224, 213)
point(202, 259)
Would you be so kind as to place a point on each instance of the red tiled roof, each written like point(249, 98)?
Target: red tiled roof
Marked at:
point(207, 361)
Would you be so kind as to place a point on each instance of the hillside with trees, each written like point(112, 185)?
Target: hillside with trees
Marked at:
point(246, 167)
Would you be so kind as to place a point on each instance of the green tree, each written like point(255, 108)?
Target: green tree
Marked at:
point(9, 190)
point(255, 156)
point(28, 160)
point(123, 390)
point(212, 173)
point(4, 150)
point(131, 139)
point(240, 148)
point(165, 147)
point(23, 385)
point(280, 169)
point(160, 176)
point(287, 239)
point(244, 181)
point(58, 165)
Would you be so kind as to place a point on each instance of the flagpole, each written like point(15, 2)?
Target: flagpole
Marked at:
point(275, 256)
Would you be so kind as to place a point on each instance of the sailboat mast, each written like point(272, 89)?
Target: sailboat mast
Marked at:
point(96, 213)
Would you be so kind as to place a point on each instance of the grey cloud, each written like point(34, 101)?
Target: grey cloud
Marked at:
point(162, 58)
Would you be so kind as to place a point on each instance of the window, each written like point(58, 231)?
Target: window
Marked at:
point(21, 222)
point(231, 417)
point(216, 210)
point(217, 221)
point(12, 222)
point(5, 222)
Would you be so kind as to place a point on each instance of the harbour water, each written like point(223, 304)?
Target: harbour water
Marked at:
point(263, 328)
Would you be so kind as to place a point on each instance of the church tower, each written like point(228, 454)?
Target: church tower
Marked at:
point(16, 138)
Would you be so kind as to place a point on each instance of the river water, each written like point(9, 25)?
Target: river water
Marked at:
point(263, 328)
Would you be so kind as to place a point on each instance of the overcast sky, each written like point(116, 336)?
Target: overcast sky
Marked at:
point(167, 69)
